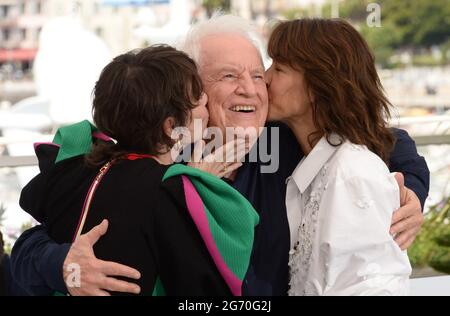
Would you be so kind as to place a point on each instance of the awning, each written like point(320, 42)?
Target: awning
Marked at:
point(17, 54)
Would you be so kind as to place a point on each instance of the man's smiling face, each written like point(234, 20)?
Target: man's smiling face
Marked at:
point(233, 76)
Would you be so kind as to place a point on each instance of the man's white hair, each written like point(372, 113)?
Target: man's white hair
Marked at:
point(218, 24)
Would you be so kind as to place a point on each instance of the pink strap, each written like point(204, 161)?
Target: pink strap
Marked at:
point(93, 189)
point(89, 197)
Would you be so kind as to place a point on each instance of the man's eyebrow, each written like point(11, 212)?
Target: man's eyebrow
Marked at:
point(258, 69)
point(235, 68)
point(229, 68)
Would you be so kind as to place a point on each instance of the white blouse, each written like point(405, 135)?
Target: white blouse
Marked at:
point(340, 202)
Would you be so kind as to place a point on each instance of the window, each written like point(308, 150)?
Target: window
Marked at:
point(34, 7)
point(4, 11)
point(6, 34)
point(38, 7)
point(23, 34)
point(37, 33)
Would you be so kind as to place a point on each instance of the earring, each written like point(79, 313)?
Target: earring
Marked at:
point(178, 145)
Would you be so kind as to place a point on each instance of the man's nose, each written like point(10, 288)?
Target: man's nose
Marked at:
point(246, 86)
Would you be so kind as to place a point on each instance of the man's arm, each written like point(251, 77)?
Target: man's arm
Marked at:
point(406, 160)
point(37, 262)
point(414, 183)
point(41, 266)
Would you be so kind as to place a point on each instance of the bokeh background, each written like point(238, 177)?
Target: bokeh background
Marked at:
point(52, 51)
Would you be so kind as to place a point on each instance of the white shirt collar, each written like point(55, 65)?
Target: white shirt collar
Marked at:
point(308, 168)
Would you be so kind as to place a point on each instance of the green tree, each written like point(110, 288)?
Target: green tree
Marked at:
point(406, 24)
point(421, 23)
point(382, 41)
point(432, 246)
point(446, 51)
point(417, 23)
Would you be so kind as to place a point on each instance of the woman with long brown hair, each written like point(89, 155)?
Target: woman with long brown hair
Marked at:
point(324, 85)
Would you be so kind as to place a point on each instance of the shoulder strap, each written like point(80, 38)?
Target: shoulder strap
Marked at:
point(89, 197)
point(94, 186)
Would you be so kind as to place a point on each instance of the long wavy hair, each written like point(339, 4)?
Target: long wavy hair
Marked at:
point(339, 70)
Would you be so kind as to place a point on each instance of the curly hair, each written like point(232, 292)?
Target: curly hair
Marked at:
point(339, 70)
point(136, 93)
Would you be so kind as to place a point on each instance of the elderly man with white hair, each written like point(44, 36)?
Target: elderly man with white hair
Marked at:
point(232, 70)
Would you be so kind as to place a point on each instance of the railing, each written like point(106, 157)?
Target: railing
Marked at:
point(432, 102)
point(432, 140)
point(21, 161)
point(440, 125)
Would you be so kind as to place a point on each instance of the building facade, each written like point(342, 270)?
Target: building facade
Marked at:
point(22, 20)
point(20, 24)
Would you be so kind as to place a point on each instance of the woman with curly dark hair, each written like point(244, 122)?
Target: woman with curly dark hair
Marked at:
point(324, 85)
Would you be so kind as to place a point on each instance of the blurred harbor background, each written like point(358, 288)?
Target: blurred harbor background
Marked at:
point(52, 51)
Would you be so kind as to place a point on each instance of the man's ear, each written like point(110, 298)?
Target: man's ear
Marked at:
point(169, 125)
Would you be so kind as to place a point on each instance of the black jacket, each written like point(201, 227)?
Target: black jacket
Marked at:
point(149, 226)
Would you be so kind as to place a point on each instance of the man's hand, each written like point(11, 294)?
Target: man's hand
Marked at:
point(96, 275)
point(221, 163)
point(408, 220)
